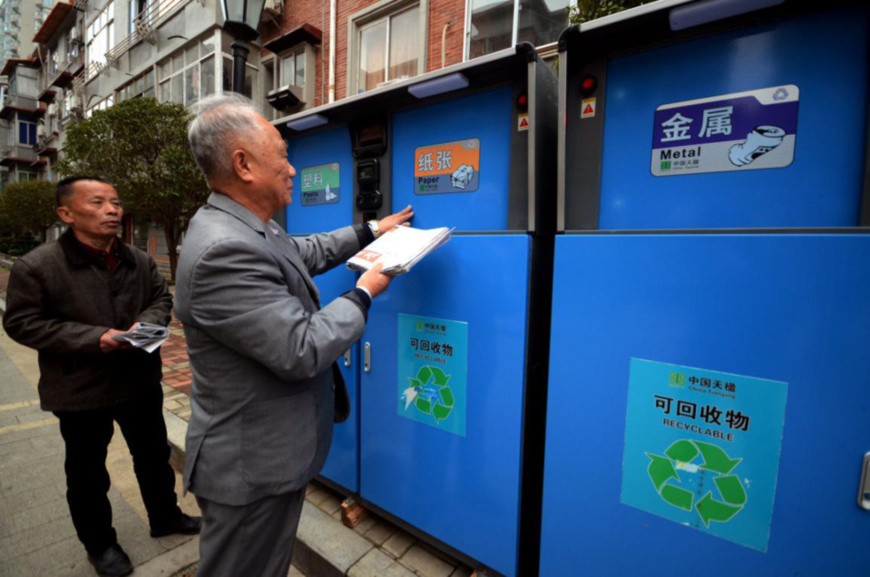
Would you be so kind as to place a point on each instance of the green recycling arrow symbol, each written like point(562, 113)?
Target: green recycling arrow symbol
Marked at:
point(679, 456)
point(430, 393)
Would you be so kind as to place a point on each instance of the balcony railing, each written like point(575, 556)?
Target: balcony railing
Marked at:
point(61, 75)
point(146, 24)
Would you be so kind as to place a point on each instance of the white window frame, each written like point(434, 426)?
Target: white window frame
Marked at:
point(103, 23)
point(202, 56)
point(466, 43)
point(374, 14)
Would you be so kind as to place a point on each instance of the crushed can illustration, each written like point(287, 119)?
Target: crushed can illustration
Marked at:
point(758, 143)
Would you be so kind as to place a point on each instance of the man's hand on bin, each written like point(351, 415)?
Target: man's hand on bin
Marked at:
point(387, 223)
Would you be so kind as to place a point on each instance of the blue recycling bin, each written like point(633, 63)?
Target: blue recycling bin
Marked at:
point(323, 201)
point(452, 355)
point(707, 407)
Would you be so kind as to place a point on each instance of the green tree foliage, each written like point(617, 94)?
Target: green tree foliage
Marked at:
point(28, 207)
point(586, 10)
point(141, 146)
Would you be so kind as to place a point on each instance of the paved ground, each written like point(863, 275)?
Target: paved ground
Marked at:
point(36, 533)
point(374, 548)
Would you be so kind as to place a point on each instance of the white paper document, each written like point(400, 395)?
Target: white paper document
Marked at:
point(400, 249)
point(146, 336)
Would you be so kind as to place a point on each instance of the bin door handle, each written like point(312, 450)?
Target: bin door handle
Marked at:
point(367, 358)
point(864, 487)
point(347, 358)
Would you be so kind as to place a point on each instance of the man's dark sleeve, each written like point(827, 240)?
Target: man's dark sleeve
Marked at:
point(159, 311)
point(28, 321)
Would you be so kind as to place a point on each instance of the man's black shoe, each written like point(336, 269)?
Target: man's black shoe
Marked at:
point(112, 562)
point(185, 525)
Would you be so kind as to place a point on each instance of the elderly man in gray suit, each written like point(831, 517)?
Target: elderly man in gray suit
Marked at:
point(262, 350)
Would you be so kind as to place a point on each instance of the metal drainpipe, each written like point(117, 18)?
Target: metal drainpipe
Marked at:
point(332, 50)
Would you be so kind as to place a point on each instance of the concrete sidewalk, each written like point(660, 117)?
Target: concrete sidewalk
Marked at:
point(36, 533)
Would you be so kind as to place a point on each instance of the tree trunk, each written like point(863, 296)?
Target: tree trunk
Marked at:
point(170, 230)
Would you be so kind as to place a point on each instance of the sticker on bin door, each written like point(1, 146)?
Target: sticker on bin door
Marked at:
point(320, 184)
point(702, 449)
point(750, 130)
point(433, 363)
point(447, 167)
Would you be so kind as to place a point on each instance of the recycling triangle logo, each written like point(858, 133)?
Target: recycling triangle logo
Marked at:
point(429, 393)
point(682, 456)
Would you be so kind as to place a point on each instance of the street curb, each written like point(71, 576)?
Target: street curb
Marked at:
point(324, 547)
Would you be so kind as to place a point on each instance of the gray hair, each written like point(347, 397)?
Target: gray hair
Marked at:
point(217, 121)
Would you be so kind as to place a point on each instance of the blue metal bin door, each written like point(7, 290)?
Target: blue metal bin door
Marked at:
point(485, 118)
point(322, 159)
point(823, 56)
point(460, 486)
point(788, 308)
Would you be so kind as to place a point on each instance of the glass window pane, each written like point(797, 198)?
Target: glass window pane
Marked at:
point(149, 80)
point(403, 44)
point(177, 88)
point(491, 27)
point(300, 69)
point(372, 55)
point(177, 62)
point(208, 76)
point(541, 23)
point(191, 85)
point(140, 86)
point(288, 66)
point(191, 55)
point(208, 45)
point(228, 75)
point(165, 93)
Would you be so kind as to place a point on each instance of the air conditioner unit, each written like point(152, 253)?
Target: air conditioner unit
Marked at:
point(75, 35)
point(275, 7)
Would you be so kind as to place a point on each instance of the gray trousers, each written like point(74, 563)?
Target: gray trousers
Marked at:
point(254, 540)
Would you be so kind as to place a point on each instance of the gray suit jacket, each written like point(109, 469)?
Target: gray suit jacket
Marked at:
point(261, 351)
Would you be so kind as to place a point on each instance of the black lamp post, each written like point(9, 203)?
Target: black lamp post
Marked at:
point(241, 20)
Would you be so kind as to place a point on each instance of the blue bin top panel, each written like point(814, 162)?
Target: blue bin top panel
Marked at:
point(485, 117)
point(331, 150)
point(823, 55)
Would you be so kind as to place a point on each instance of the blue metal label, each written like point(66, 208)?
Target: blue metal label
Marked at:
point(702, 448)
point(433, 365)
point(749, 130)
point(321, 184)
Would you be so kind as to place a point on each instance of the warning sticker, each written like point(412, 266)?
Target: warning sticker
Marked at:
point(587, 108)
point(523, 122)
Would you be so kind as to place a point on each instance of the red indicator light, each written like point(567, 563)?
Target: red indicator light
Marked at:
point(522, 102)
point(588, 85)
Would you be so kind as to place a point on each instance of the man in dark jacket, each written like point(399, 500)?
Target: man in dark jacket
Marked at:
point(67, 299)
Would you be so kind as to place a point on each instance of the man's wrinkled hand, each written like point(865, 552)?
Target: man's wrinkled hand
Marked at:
point(387, 223)
point(108, 344)
point(374, 281)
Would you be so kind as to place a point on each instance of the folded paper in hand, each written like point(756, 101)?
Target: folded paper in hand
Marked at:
point(399, 249)
point(145, 336)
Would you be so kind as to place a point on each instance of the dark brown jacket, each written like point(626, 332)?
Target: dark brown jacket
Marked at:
point(61, 298)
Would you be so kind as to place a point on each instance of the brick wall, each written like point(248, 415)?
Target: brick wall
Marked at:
point(316, 13)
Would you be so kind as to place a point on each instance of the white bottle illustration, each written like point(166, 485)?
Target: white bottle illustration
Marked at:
point(758, 143)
